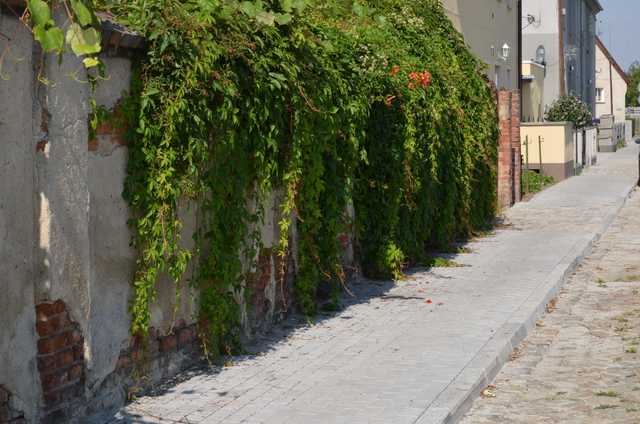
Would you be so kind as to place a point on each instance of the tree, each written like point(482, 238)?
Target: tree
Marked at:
point(633, 92)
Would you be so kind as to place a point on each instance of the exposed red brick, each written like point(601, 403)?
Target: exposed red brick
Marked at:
point(40, 145)
point(54, 343)
point(54, 361)
point(136, 354)
point(59, 306)
point(76, 337)
point(54, 380)
point(44, 310)
point(60, 359)
point(4, 414)
point(4, 396)
point(168, 342)
point(93, 145)
point(78, 353)
point(46, 362)
point(115, 133)
point(104, 129)
point(64, 359)
point(75, 372)
point(52, 324)
point(186, 336)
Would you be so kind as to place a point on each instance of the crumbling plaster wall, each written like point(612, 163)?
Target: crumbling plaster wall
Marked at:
point(18, 372)
point(112, 258)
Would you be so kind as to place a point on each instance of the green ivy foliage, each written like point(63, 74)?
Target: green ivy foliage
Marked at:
point(79, 35)
point(378, 104)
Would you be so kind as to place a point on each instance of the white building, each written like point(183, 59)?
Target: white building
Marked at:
point(611, 84)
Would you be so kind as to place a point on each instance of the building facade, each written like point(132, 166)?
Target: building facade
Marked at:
point(561, 35)
point(490, 28)
point(611, 85)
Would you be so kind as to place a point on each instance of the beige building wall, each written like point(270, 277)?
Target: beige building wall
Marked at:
point(556, 141)
point(533, 75)
point(608, 76)
point(487, 25)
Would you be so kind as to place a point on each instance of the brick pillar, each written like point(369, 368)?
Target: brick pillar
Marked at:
point(515, 144)
point(505, 154)
point(509, 150)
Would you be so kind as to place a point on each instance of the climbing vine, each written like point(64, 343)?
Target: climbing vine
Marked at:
point(377, 104)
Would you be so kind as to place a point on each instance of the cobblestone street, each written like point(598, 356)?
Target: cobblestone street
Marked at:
point(580, 365)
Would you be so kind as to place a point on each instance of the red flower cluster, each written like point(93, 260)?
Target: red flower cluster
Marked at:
point(417, 79)
point(422, 79)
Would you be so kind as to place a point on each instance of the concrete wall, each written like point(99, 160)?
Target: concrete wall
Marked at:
point(607, 77)
point(487, 25)
point(533, 75)
point(18, 238)
point(557, 146)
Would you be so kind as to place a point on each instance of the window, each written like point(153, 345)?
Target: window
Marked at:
point(498, 80)
point(599, 95)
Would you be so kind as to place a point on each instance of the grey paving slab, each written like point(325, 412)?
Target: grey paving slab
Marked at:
point(391, 357)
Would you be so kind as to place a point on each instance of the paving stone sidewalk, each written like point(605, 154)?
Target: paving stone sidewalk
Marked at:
point(417, 351)
point(580, 365)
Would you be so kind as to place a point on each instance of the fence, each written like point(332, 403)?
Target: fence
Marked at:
point(611, 134)
point(586, 147)
point(618, 132)
point(633, 115)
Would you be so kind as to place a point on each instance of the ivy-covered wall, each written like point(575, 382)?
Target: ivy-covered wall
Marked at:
point(377, 106)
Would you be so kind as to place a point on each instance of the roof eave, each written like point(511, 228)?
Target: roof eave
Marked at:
point(596, 6)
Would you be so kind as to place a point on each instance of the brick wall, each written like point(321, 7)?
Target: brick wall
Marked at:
point(509, 156)
point(160, 356)
point(273, 274)
point(60, 360)
point(7, 414)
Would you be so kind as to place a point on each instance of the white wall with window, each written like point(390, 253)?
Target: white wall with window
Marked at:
point(609, 76)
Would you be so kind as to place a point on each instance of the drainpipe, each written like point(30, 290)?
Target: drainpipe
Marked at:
point(611, 86)
point(519, 23)
point(561, 20)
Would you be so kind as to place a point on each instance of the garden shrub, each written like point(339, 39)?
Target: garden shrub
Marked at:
point(570, 109)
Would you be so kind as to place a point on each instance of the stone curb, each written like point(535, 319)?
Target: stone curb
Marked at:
point(456, 400)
